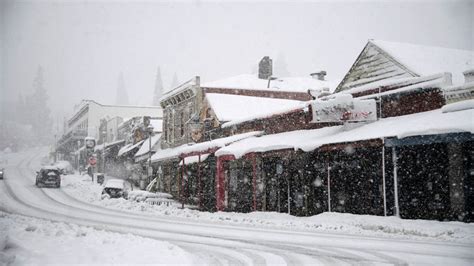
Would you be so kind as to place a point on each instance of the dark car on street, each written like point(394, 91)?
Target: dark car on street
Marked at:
point(2, 173)
point(48, 176)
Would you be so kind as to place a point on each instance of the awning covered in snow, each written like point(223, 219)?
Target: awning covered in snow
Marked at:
point(127, 148)
point(194, 159)
point(203, 147)
point(426, 123)
point(144, 150)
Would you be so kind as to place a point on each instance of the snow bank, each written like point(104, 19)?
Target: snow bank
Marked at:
point(140, 195)
point(363, 225)
point(40, 242)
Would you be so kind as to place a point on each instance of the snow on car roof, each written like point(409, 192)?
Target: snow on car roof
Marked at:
point(49, 167)
point(114, 183)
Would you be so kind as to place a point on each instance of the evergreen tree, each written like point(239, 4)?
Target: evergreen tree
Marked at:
point(20, 109)
point(122, 95)
point(39, 112)
point(158, 88)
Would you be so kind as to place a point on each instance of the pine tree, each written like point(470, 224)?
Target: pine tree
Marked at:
point(20, 109)
point(122, 95)
point(158, 88)
point(39, 112)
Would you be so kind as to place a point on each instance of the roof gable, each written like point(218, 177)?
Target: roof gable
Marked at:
point(380, 60)
point(373, 64)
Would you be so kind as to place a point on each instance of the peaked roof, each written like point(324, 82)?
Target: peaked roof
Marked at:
point(381, 60)
point(428, 60)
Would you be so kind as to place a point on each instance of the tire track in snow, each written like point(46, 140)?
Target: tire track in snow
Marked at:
point(273, 247)
point(230, 256)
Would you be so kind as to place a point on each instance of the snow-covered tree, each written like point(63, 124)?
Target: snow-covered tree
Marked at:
point(158, 88)
point(122, 95)
point(38, 112)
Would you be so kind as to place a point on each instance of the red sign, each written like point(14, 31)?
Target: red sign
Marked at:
point(92, 161)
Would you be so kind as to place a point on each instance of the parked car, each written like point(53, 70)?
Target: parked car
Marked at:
point(48, 176)
point(2, 173)
point(115, 188)
point(64, 167)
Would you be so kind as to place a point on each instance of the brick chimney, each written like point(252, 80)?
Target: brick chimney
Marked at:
point(318, 75)
point(265, 68)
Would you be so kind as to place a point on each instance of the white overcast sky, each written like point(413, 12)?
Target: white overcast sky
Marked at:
point(84, 45)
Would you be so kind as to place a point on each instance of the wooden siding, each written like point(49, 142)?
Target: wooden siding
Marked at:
point(373, 64)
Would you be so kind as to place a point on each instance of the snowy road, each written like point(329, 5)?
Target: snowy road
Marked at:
point(211, 243)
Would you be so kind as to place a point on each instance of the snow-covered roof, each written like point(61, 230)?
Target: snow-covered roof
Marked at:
point(108, 144)
point(426, 123)
point(394, 82)
point(157, 125)
point(288, 84)
point(128, 148)
point(145, 148)
point(200, 147)
point(229, 107)
point(428, 60)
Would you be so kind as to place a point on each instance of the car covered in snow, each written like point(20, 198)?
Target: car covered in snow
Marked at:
point(115, 188)
point(2, 173)
point(48, 176)
point(64, 167)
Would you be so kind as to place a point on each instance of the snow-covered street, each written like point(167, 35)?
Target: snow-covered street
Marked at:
point(72, 225)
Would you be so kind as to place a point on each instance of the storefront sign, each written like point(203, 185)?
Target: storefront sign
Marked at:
point(343, 108)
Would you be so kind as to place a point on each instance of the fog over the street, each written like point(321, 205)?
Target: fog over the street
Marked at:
point(83, 46)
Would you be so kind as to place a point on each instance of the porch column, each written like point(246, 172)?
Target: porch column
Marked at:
point(181, 191)
point(329, 188)
point(219, 184)
point(199, 182)
point(220, 181)
point(383, 179)
point(254, 181)
point(395, 180)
